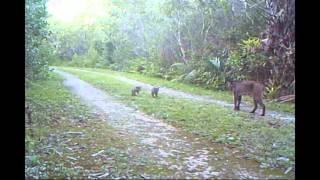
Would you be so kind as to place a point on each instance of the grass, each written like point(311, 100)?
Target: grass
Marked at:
point(220, 95)
point(53, 153)
point(255, 136)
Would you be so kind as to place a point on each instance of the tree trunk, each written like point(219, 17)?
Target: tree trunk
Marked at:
point(178, 37)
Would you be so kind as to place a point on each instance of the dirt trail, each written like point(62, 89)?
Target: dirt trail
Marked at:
point(180, 154)
point(284, 117)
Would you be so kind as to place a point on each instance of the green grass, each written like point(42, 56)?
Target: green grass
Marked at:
point(56, 111)
point(208, 120)
point(219, 95)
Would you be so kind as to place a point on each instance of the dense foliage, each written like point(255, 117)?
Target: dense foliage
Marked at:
point(36, 40)
point(203, 42)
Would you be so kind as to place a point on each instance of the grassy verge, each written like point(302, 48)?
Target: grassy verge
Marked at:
point(220, 95)
point(261, 140)
point(64, 134)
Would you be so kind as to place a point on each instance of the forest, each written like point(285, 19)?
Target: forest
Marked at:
point(84, 60)
point(201, 42)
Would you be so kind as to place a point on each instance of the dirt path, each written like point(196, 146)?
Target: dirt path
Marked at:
point(284, 117)
point(180, 154)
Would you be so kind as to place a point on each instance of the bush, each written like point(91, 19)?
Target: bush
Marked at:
point(91, 59)
point(247, 62)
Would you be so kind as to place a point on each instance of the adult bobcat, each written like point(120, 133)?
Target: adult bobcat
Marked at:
point(249, 88)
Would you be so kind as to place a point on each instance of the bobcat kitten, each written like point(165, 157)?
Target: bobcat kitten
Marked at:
point(154, 91)
point(135, 91)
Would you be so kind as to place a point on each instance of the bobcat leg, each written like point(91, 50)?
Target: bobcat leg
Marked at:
point(239, 101)
point(255, 106)
point(235, 99)
point(263, 107)
point(133, 93)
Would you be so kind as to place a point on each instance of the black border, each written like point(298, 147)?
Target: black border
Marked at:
point(306, 90)
point(13, 54)
point(13, 86)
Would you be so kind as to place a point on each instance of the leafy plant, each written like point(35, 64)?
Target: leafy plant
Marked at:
point(247, 62)
point(36, 61)
point(272, 89)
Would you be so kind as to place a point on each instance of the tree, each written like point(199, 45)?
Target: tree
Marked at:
point(36, 63)
point(280, 44)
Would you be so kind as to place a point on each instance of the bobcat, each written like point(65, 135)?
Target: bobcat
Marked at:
point(249, 88)
point(135, 91)
point(154, 91)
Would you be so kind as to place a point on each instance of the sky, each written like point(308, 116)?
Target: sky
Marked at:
point(84, 11)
